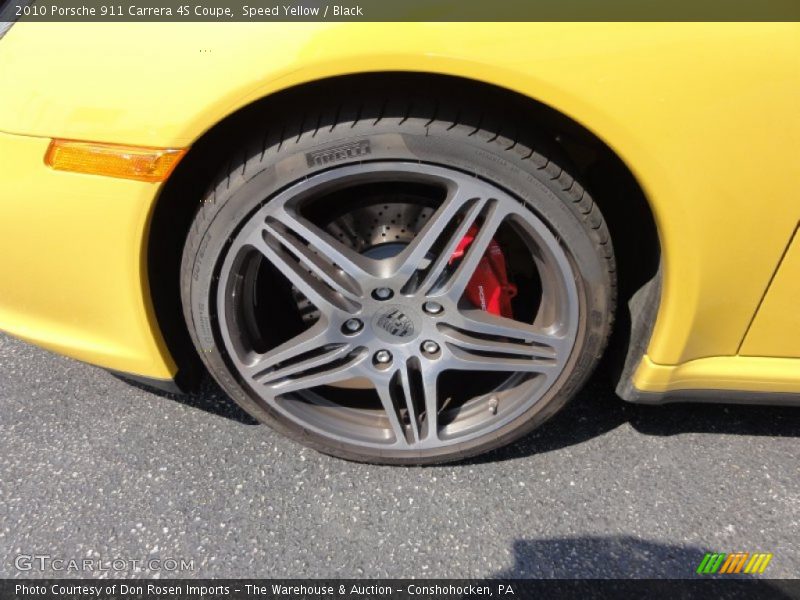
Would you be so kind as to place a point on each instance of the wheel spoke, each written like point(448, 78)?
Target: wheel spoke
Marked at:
point(481, 323)
point(301, 361)
point(409, 399)
point(457, 282)
point(498, 346)
point(466, 360)
point(301, 272)
point(290, 351)
point(325, 356)
point(444, 257)
point(333, 365)
point(484, 341)
point(333, 276)
point(445, 228)
point(356, 266)
point(425, 394)
point(393, 403)
point(328, 273)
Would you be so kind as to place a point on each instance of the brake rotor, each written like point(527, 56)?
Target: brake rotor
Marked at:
point(369, 227)
point(376, 230)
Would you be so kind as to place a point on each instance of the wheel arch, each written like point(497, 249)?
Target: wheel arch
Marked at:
point(613, 185)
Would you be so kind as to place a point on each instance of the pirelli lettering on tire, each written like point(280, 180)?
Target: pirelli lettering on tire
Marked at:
point(320, 158)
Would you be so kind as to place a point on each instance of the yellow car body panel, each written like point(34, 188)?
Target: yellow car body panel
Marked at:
point(72, 267)
point(732, 373)
point(705, 116)
point(776, 329)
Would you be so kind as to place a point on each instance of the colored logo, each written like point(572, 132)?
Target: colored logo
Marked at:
point(738, 562)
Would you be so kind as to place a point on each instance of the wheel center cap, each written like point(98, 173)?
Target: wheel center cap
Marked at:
point(394, 324)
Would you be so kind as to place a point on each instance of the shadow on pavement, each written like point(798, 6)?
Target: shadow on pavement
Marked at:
point(601, 557)
point(209, 397)
point(625, 557)
point(597, 410)
point(594, 411)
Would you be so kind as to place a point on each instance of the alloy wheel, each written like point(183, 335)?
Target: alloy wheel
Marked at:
point(341, 305)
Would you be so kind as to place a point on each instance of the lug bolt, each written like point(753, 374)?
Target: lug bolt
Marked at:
point(383, 357)
point(430, 347)
point(432, 308)
point(352, 326)
point(382, 293)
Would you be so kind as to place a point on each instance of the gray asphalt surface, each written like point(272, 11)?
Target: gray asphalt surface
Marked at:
point(93, 467)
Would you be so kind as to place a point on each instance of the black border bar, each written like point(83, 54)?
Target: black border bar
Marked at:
point(107, 11)
point(733, 587)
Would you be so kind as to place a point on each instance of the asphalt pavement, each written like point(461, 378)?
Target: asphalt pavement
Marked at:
point(94, 468)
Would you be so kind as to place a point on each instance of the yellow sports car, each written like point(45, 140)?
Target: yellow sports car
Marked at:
point(407, 242)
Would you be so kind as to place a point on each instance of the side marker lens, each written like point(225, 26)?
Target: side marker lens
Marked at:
point(128, 162)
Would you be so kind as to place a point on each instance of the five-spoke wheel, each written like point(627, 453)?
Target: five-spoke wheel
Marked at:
point(401, 309)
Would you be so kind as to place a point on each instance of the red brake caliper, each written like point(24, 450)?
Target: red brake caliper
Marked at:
point(489, 287)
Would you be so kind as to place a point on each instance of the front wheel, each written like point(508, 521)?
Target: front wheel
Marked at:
point(398, 290)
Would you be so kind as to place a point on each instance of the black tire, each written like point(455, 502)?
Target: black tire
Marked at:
point(451, 134)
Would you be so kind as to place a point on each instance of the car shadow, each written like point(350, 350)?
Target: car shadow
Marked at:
point(600, 557)
point(597, 410)
point(632, 565)
point(208, 397)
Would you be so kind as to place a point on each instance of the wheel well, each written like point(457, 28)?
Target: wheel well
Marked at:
point(613, 186)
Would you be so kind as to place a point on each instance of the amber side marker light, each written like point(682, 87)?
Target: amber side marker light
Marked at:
point(112, 160)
